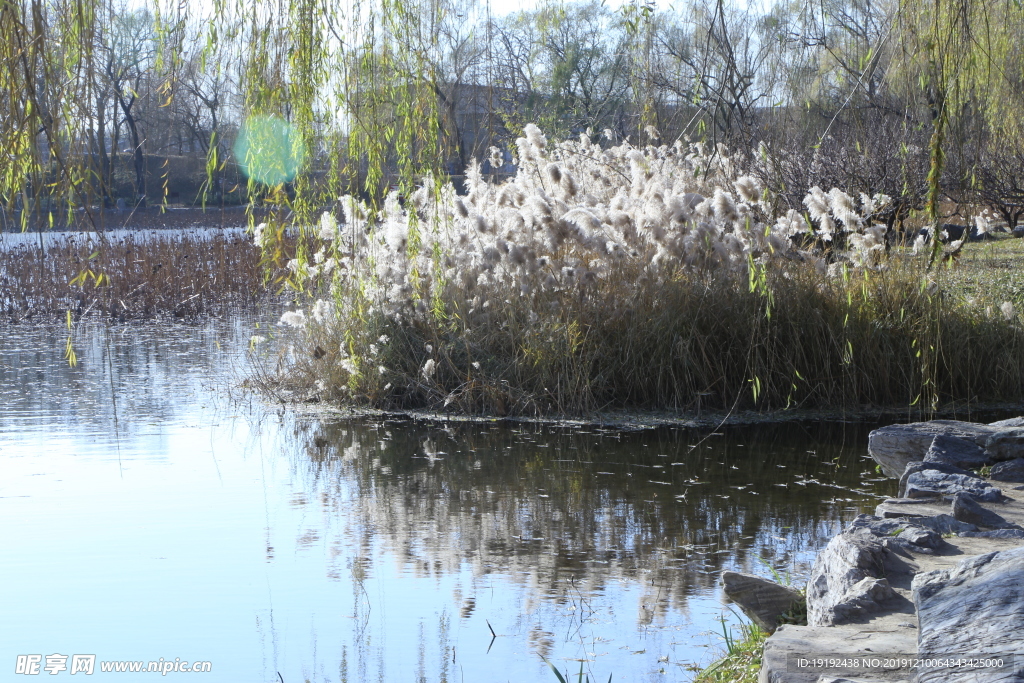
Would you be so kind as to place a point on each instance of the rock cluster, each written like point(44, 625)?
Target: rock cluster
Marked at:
point(943, 561)
point(975, 609)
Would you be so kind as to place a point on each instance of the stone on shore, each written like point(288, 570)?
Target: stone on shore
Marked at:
point(791, 643)
point(763, 601)
point(945, 524)
point(836, 592)
point(995, 533)
point(894, 446)
point(933, 483)
point(892, 508)
point(1010, 470)
point(966, 509)
point(973, 609)
point(1005, 444)
point(850, 577)
point(952, 450)
point(1012, 422)
point(921, 466)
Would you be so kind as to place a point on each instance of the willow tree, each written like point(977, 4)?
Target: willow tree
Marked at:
point(46, 69)
point(964, 57)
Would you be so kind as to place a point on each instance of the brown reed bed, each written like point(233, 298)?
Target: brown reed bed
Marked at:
point(900, 336)
point(129, 274)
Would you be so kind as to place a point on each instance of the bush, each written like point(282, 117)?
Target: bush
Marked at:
point(631, 278)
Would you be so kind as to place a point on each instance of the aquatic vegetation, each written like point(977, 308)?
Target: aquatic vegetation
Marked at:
point(128, 274)
point(624, 277)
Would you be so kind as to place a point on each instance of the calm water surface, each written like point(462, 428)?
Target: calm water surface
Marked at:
point(151, 509)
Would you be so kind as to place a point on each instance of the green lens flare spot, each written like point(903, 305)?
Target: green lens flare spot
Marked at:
point(269, 150)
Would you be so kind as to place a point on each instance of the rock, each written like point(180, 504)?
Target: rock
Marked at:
point(1005, 444)
point(894, 533)
point(760, 599)
point(894, 446)
point(780, 661)
point(850, 577)
point(975, 608)
point(952, 450)
point(893, 508)
point(913, 467)
point(844, 563)
point(997, 533)
point(933, 483)
point(1012, 422)
point(945, 524)
point(965, 509)
point(1009, 470)
point(1018, 232)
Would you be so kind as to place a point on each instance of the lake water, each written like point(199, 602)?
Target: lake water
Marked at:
point(151, 508)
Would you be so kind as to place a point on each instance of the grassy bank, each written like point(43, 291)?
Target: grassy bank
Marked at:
point(741, 660)
point(128, 274)
point(653, 279)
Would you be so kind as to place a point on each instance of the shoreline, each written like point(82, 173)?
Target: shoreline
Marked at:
point(639, 420)
point(933, 579)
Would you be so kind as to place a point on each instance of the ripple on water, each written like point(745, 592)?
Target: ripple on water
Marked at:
point(157, 511)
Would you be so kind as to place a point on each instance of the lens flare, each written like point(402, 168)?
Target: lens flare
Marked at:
point(269, 150)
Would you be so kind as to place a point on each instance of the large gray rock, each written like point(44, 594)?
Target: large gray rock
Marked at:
point(913, 467)
point(894, 534)
point(850, 577)
point(836, 593)
point(966, 509)
point(1010, 470)
point(975, 608)
point(784, 650)
point(763, 601)
point(952, 450)
point(932, 483)
point(1005, 444)
point(894, 508)
point(1012, 422)
point(894, 446)
point(945, 524)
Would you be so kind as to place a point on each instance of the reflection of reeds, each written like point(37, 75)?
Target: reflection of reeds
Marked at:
point(129, 275)
point(551, 504)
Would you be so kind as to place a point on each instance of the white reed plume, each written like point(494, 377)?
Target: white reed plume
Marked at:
point(816, 202)
point(725, 206)
point(496, 159)
point(748, 189)
point(843, 209)
point(535, 137)
point(328, 227)
point(293, 319)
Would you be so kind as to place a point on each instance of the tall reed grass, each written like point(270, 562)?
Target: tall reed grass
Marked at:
point(622, 278)
point(128, 274)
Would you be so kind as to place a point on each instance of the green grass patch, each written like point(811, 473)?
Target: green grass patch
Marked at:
point(741, 660)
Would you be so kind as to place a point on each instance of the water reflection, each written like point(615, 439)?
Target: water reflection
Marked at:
point(374, 550)
point(574, 518)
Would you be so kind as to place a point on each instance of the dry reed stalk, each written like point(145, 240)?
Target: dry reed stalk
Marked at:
point(699, 341)
point(130, 275)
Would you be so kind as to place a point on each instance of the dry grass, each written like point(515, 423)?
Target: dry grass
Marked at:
point(794, 338)
point(128, 275)
point(623, 278)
